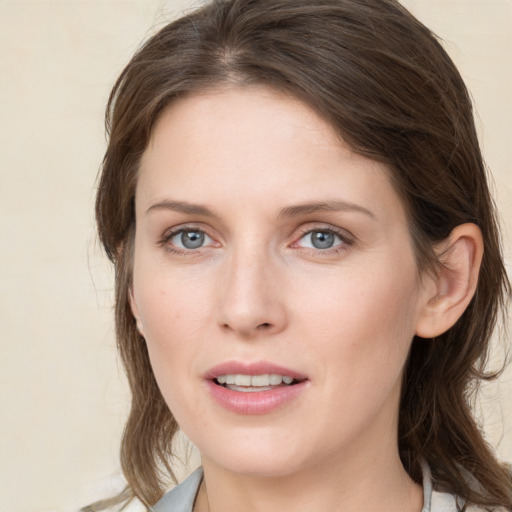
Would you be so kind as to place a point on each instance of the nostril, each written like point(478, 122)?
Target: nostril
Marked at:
point(265, 325)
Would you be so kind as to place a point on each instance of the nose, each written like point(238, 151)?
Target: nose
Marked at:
point(252, 301)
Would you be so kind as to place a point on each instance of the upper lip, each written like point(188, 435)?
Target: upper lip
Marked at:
point(253, 368)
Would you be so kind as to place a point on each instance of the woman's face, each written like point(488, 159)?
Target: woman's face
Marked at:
point(265, 248)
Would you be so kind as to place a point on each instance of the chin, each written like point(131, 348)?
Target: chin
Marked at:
point(256, 458)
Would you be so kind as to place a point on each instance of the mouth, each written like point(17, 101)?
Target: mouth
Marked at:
point(254, 388)
point(254, 383)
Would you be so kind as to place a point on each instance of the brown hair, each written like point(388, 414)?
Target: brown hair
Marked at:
point(389, 89)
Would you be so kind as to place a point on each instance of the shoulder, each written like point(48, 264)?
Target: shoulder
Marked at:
point(475, 508)
point(482, 509)
point(446, 502)
point(182, 497)
point(436, 500)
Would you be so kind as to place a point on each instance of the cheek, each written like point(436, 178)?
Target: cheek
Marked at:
point(366, 322)
point(176, 311)
point(170, 328)
point(170, 301)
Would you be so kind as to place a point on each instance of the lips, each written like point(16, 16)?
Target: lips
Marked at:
point(254, 388)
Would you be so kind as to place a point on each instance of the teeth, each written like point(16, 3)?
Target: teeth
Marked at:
point(264, 380)
point(242, 380)
point(275, 380)
point(261, 380)
point(249, 389)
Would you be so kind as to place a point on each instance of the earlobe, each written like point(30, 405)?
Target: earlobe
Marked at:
point(455, 281)
point(135, 312)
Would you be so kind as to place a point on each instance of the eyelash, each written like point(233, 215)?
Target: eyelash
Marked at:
point(169, 235)
point(346, 240)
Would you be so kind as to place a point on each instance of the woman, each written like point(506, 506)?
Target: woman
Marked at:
point(308, 266)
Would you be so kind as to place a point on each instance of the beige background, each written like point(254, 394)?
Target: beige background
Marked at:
point(62, 395)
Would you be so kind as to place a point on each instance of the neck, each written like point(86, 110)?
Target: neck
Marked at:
point(371, 483)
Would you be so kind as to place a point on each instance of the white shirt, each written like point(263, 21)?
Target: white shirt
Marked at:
point(182, 497)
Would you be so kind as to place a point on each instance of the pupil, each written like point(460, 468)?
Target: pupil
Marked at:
point(192, 239)
point(322, 239)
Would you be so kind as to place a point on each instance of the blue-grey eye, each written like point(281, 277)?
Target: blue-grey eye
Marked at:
point(190, 239)
point(320, 239)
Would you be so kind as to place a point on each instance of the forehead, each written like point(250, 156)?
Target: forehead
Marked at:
point(256, 118)
point(254, 147)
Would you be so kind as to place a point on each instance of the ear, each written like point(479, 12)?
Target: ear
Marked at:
point(454, 283)
point(135, 311)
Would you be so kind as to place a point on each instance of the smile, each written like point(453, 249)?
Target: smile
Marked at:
point(253, 383)
point(256, 388)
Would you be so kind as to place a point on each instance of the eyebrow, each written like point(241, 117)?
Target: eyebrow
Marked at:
point(182, 207)
point(288, 211)
point(324, 206)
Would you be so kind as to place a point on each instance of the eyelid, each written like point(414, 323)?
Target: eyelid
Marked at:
point(170, 233)
point(346, 237)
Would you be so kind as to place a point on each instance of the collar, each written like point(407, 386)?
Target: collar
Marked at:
point(182, 497)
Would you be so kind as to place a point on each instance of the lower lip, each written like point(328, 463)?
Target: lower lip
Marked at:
point(255, 402)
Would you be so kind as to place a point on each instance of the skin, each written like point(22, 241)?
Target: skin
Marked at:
point(258, 290)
